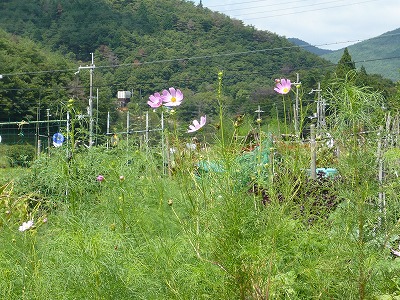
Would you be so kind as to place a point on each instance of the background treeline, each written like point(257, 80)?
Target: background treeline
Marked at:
point(144, 47)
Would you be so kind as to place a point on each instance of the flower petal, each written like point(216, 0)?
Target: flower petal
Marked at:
point(203, 120)
point(171, 104)
point(155, 100)
point(192, 128)
point(196, 124)
point(166, 96)
point(172, 91)
point(179, 95)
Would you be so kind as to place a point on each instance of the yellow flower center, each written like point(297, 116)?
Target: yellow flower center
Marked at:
point(173, 99)
point(285, 90)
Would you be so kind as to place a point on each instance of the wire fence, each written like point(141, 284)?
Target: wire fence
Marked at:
point(27, 132)
point(140, 129)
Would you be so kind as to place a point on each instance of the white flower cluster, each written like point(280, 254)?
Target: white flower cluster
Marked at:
point(26, 225)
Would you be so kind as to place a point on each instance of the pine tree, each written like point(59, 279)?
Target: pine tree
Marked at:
point(345, 64)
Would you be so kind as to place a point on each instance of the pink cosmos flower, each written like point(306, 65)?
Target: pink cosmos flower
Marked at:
point(172, 97)
point(283, 87)
point(26, 225)
point(155, 100)
point(100, 178)
point(196, 125)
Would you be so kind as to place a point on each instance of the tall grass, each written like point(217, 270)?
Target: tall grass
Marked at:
point(268, 232)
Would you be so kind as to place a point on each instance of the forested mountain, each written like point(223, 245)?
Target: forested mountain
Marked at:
point(150, 45)
point(30, 77)
point(379, 55)
point(309, 47)
point(141, 46)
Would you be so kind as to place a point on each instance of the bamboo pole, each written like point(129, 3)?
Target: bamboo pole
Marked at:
point(313, 147)
point(381, 196)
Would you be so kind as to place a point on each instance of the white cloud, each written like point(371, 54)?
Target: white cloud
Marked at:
point(332, 24)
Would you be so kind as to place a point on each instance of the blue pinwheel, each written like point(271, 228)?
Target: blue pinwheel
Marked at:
point(58, 139)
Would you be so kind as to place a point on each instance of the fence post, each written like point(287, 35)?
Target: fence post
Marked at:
point(127, 129)
point(163, 144)
point(48, 130)
point(147, 131)
point(313, 146)
point(39, 146)
point(381, 195)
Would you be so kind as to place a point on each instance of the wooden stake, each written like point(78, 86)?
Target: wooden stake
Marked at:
point(313, 146)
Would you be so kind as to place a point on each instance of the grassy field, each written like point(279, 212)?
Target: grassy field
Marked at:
point(220, 223)
point(9, 174)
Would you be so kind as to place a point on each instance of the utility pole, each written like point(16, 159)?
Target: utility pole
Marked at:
point(323, 107)
point(296, 106)
point(259, 111)
point(90, 110)
point(320, 108)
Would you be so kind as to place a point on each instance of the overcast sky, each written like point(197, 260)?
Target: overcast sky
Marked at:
point(328, 24)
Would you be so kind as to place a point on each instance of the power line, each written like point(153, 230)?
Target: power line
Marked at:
point(269, 5)
point(246, 2)
point(302, 11)
point(200, 57)
point(280, 5)
point(199, 79)
point(212, 77)
point(39, 72)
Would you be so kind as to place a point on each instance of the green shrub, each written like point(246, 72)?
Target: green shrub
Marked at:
point(20, 155)
point(4, 161)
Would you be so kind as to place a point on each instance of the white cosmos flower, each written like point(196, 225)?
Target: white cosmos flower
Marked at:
point(26, 225)
point(197, 125)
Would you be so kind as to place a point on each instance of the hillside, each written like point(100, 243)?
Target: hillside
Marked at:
point(379, 55)
point(139, 47)
point(32, 87)
point(309, 47)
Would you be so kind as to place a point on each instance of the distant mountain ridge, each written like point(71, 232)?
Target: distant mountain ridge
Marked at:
point(378, 55)
point(309, 47)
